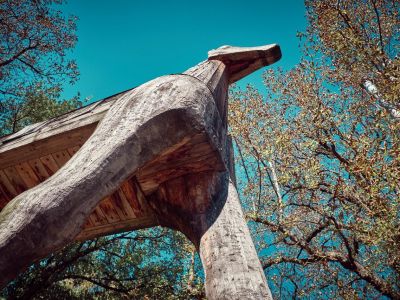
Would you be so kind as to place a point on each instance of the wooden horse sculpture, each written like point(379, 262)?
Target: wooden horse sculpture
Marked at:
point(155, 155)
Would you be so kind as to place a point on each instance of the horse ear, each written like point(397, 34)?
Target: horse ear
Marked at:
point(241, 61)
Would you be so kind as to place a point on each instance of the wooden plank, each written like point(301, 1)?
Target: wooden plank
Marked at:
point(88, 224)
point(122, 226)
point(89, 221)
point(7, 186)
point(28, 176)
point(49, 164)
point(140, 196)
point(34, 148)
point(73, 150)
point(15, 179)
point(61, 157)
point(97, 217)
point(122, 205)
point(3, 199)
point(39, 169)
point(130, 195)
point(109, 211)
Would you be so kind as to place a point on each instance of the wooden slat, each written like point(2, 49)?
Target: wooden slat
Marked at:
point(15, 179)
point(61, 157)
point(7, 186)
point(130, 194)
point(109, 211)
point(122, 205)
point(88, 224)
point(39, 169)
point(97, 217)
point(89, 221)
point(49, 164)
point(127, 225)
point(28, 149)
point(28, 176)
point(3, 199)
point(140, 196)
point(73, 150)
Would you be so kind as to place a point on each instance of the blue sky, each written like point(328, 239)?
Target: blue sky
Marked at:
point(122, 43)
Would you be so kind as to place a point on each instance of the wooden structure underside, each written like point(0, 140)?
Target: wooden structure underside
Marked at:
point(38, 151)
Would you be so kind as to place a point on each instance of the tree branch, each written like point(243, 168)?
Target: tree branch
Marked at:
point(99, 283)
point(17, 55)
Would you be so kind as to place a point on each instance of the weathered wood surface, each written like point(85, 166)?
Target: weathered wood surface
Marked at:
point(239, 60)
point(230, 261)
point(123, 209)
point(138, 127)
point(243, 61)
point(206, 208)
point(142, 131)
point(47, 137)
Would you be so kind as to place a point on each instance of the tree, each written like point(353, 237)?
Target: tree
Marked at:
point(38, 104)
point(320, 157)
point(148, 264)
point(34, 42)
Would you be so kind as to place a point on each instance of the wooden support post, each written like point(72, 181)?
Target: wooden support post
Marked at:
point(206, 208)
point(219, 231)
point(230, 261)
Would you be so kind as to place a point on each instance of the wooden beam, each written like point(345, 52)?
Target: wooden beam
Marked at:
point(122, 226)
point(242, 61)
point(142, 124)
point(41, 145)
point(66, 131)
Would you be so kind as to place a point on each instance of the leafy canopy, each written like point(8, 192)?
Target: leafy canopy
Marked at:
point(319, 156)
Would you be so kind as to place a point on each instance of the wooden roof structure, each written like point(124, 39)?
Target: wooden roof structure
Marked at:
point(158, 154)
point(33, 154)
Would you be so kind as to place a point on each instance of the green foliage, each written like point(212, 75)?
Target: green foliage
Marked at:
point(148, 264)
point(35, 39)
point(38, 104)
point(321, 157)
